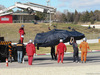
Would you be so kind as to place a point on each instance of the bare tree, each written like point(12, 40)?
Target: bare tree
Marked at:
point(58, 16)
point(2, 7)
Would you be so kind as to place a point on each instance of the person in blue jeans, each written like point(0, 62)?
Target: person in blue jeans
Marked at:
point(20, 49)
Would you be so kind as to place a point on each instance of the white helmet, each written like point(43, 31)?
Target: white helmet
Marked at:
point(30, 41)
point(61, 40)
point(84, 39)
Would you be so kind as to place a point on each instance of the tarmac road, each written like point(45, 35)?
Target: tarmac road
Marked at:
point(93, 58)
point(43, 65)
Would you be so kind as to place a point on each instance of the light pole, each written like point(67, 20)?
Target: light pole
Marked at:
point(48, 4)
point(48, 1)
point(22, 15)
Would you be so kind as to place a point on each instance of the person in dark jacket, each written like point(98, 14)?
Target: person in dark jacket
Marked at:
point(53, 53)
point(76, 50)
point(20, 48)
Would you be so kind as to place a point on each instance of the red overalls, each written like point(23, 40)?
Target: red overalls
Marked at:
point(21, 32)
point(60, 50)
point(30, 49)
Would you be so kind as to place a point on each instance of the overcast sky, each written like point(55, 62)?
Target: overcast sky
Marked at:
point(61, 5)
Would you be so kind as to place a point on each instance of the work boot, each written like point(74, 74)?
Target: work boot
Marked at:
point(62, 63)
point(74, 61)
point(55, 58)
point(52, 58)
point(84, 61)
point(81, 61)
point(77, 61)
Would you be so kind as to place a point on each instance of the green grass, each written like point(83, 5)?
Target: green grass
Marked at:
point(10, 32)
point(89, 33)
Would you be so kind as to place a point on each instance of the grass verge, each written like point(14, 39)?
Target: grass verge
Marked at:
point(43, 50)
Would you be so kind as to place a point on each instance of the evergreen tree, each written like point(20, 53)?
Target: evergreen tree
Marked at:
point(76, 17)
point(69, 15)
point(82, 18)
point(87, 16)
point(63, 18)
point(41, 16)
point(92, 18)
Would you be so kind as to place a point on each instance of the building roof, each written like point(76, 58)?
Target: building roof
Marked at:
point(23, 14)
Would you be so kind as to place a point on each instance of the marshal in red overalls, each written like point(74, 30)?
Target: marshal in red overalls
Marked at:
point(30, 49)
point(61, 48)
point(21, 32)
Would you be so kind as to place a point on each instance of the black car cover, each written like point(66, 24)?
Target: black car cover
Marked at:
point(51, 38)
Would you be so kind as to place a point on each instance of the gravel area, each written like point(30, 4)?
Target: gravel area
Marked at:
point(76, 70)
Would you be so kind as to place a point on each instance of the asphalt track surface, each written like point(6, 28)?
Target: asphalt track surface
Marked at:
point(93, 58)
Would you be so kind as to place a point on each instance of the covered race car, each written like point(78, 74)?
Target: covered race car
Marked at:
point(51, 38)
